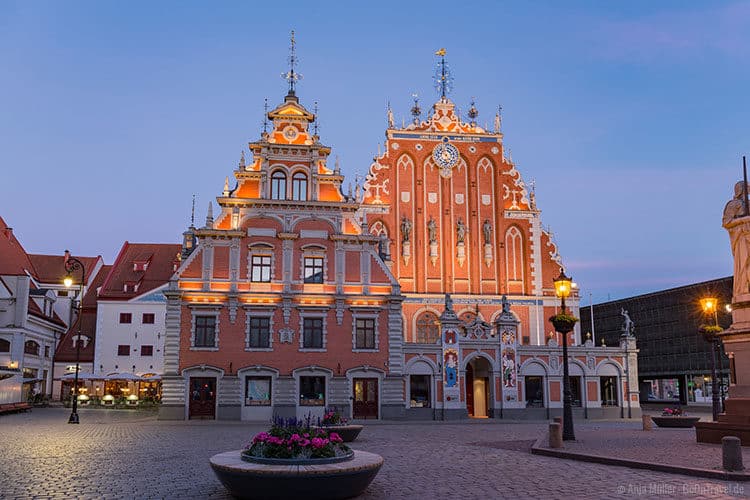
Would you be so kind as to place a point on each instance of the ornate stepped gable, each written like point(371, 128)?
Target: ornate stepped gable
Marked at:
point(460, 176)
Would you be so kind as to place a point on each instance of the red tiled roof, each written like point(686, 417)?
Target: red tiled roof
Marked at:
point(13, 258)
point(66, 348)
point(51, 268)
point(161, 259)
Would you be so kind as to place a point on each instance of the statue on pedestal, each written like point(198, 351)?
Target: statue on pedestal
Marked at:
point(737, 222)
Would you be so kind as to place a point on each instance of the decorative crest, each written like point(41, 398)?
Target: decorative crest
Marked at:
point(416, 111)
point(443, 78)
point(473, 113)
point(291, 76)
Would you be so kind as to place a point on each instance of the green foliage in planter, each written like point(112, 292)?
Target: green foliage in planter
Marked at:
point(562, 322)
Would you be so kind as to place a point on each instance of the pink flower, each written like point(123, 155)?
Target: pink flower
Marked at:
point(306, 434)
point(261, 438)
point(335, 438)
point(319, 443)
point(304, 443)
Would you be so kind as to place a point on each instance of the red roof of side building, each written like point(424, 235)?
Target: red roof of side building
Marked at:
point(66, 351)
point(140, 268)
point(13, 258)
point(51, 268)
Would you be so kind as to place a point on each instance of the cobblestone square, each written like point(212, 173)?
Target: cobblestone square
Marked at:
point(124, 454)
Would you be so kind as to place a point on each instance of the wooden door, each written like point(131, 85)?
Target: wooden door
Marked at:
point(365, 398)
point(202, 397)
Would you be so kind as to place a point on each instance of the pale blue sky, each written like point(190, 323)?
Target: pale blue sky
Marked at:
point(631, 118)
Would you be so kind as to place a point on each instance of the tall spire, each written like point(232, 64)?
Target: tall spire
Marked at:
point(192, 214)
point(210, 216)
point(265, 116)
point(291, 76)
point(443, 78)
point(315, 114)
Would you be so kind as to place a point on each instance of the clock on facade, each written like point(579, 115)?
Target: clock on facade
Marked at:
point(445, 156)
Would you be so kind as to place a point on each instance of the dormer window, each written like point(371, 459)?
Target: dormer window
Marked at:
point(278, 185)
point(130, 286)
point(299, 186)
point(140, 265)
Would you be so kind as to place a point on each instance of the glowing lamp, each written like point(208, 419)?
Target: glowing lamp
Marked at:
point(68, 281)
point(708, 304)
point(563, 285)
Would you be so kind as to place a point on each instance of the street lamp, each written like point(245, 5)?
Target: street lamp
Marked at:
point(564, 323)
point(72, 264)
point(710, 334)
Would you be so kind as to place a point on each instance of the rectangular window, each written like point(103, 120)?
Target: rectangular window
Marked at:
point(258, 391)
point(313, 270)
point(365, 334)
point(46, 351)
point(148, 318)
point(534, 389)
point(312, 391)
point(147, 350)
point(312, 333)
point(419, 387)
point(608, 391)
point(123, 350)
point(126, 318)
point(62, 293)
point(260, 332)
point(260, 269)
point(205, 331)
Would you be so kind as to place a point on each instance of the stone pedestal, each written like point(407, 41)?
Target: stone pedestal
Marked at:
point(735, 421)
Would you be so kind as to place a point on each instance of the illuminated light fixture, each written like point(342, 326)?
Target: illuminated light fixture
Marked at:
point(708, 304)
point(68, 281)
point(728, 307)
point(13, 364)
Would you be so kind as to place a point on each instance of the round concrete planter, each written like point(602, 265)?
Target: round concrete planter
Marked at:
point(250, 480)
point(681, 422)
point(347, 432)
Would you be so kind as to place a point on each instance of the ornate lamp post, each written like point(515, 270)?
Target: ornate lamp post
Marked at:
point(564, 323)
point(72, 264)
point(710, 334)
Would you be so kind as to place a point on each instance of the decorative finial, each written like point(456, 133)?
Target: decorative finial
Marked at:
point(389, 114)
point(498, 119)
point(192, 214)
point(226, 187)
point(337, 167)
point(443, 78)
point(315, 118)
point(291, 76)
point(416, 111)
point(265, 116)
point(242, 159)
point(210, 216)
point(473, 113)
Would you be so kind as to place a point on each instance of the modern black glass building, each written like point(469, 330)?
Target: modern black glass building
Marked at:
point(674, 362)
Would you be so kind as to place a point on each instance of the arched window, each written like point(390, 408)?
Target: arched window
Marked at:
point(4, 345)
point(514, 254)
point(428, 328)
point(278, 185)
point(299, 186)
point(31, 347)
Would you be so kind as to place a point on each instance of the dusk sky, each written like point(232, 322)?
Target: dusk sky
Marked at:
point(631, 117)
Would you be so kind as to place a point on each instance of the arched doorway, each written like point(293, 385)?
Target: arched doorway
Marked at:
point(478, 390)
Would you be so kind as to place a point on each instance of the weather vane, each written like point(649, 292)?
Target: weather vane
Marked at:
point(291, 76)
point(443, 78)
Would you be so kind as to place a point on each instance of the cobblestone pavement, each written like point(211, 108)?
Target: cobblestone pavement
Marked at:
point(132, 455)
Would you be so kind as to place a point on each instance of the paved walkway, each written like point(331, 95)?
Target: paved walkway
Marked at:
point(131, 455)
point(664, 446)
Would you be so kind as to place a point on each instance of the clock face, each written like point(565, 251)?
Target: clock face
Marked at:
point(290, 133)
point(445, 155)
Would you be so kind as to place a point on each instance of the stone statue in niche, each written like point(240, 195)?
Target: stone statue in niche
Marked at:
point(405, 229)
point(460, 230)
point(487, 231)
point(432, 230)
point(737, 223)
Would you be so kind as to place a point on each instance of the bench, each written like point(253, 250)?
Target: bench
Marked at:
point(14, 407)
